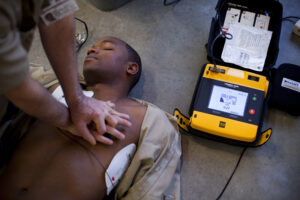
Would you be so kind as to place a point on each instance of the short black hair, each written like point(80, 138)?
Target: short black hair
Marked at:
point(133, 56)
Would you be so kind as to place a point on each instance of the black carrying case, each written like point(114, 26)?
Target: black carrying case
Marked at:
point(285, 93)
point(274, 9)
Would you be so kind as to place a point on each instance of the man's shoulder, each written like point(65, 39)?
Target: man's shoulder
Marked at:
point(136, 106)
point(155, 109)
point(156, 116)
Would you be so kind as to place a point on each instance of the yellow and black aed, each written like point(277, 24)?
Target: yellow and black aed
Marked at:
point(228, 104)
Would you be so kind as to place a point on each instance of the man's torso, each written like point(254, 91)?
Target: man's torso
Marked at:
point(51, 165)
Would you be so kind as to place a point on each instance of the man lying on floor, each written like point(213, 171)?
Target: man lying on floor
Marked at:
point(51, 164)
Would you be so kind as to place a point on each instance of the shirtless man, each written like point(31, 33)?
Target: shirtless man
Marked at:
point(52, 164)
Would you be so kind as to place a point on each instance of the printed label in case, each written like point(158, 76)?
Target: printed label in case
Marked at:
point(290, 84)
point(232, 16)
point(262, 22)
point(247, 18)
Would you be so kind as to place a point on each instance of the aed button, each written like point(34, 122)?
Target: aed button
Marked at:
point(251, 111)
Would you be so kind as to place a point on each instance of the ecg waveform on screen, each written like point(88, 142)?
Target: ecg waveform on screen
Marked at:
point(228, 100)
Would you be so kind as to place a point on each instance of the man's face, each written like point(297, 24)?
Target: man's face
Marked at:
point(105, 60)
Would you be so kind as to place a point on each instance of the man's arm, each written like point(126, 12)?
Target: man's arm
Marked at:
point(35, 100)
point(59, 44)
point(15, 81)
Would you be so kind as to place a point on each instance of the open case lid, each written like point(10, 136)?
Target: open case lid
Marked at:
point(273, 8)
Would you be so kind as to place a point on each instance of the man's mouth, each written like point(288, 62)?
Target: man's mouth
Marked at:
point(90, 58)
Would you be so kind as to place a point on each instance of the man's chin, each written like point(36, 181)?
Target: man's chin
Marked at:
point(90, 66)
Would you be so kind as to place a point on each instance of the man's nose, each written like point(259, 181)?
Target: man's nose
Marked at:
point(93, 50)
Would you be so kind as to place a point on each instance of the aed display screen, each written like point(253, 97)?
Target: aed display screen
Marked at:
point(228, 100)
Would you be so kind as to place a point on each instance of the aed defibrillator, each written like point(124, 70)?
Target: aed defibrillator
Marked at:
point(229, 99)
point(228, 104)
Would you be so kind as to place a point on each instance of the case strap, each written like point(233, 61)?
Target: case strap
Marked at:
point(182, 120)
point(264, 137)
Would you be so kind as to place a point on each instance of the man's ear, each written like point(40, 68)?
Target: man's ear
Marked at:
point(132, 68)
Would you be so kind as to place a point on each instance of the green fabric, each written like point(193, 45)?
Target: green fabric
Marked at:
point(15, 41)
point(18, 19)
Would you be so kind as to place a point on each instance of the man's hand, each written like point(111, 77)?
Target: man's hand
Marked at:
point(88, 111)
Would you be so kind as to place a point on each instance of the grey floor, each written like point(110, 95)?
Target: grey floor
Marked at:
point(171, 43)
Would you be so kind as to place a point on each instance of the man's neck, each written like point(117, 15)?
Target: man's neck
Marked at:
point(113, 93)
